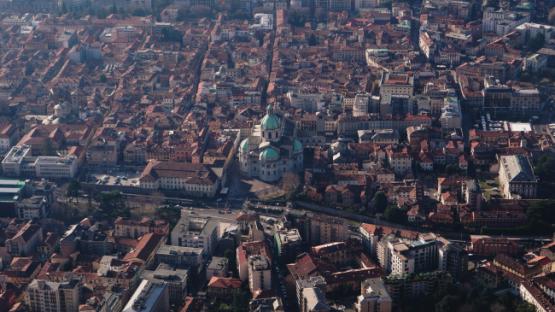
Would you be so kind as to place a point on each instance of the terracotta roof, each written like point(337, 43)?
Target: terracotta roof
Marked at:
point(146, 247)
point(224, 282)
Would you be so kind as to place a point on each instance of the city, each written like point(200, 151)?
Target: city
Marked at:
point(277, 155)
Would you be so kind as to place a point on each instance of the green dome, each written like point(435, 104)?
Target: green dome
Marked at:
point(270, 122)
point(297, 146)
point(244, 147)
point(269, 154)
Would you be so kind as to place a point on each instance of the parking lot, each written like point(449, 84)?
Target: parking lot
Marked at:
point(123, 178)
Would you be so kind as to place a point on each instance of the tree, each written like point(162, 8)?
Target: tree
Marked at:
point(112, 205)
point(451, 169)
point(395, 215)
point(231, 257)
point(73, 189)
point(169, 213)
point(103, 78)
point(525, 307)
point(545, 168)
point(545, 171)
point(379, 202)
point(540, 217)
point(296, 18)
point(139, 12)
point(447, 303)
point(537, 42)
point(551, 16)
point(312, 40)
point(290, 183)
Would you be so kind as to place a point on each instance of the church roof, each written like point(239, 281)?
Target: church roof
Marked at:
point(269, 154)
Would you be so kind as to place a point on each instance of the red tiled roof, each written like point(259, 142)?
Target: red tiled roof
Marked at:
point(224, 282)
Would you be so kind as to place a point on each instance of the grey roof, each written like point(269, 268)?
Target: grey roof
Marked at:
point(517, 168)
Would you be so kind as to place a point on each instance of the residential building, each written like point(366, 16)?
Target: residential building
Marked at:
point(196, 231)
point(394, 84)
point(179, 256)
point(260, 273)
point(373, 297)
point(47, 296)
point(313, 300)
point(288, 244)
point(149, 297)
point(176, 279)
point(218, 267)
point(24, 242)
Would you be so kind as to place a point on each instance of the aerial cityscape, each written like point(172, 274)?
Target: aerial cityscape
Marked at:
point(277, 155)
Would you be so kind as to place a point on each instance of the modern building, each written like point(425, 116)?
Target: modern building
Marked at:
point(179, 256)
point(272, 149)
point(193, 230)
point(373, 297)
point(19, 161)
point(360, 105)
point(516, 177)
point(400, 257)
point(47, 296)
point(218, 267)
point(176, 279)
point(288, 244)
point(313, 300)
point(260, 273)
point(149, 297)
point(451, 115)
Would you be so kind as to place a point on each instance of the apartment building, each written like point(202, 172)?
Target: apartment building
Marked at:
point(149, 297)
point(260, 273)
point(373, 297)
point(193, 230)
point(47, 296)
point(394, 84)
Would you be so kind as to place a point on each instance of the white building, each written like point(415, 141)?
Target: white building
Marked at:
point(272, 149)
point(149, 297)
point(260, 273)
point(516, 177)
point(20, 162)
point(451, 115)
point(373, 297)
point(398, 84)
point(403, 256)
point(47, 296)
point(502, 22)
point(313, 300)
point(193, 179)
point(56, 167)
point(360, 105)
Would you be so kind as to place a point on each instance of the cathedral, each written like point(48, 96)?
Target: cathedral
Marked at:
point(272, 149)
